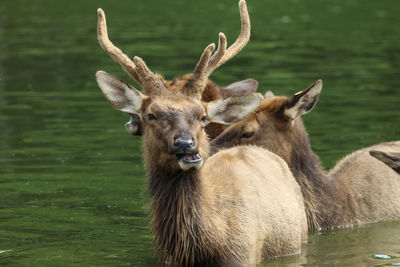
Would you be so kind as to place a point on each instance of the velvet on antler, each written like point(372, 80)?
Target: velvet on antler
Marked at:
point(137, 69)
point(208, 61)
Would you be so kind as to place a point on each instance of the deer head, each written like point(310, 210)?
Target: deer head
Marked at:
point(211, 92)
point(274, 124)
point(173, 119)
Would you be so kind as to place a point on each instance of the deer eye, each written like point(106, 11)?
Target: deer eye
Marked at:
point(247, 135)
point(203, 118)
point(151, 117)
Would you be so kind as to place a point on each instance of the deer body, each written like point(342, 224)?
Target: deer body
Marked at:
point(359, 190)
point(228, 212)
point(372, 189)
point(230, 209)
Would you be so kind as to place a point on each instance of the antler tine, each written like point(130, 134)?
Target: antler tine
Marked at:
point(205, 67)
point(113, 51)
point(220, 51)
point(238, 45)
point(150, 81)
point(204, 60)
point(243, 38)
point(222, 54)
point(196, 80)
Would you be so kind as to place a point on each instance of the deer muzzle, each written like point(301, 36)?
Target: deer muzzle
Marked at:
point(187, 153)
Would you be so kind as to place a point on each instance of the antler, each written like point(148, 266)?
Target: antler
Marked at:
point(208, 62)
point(139, 71)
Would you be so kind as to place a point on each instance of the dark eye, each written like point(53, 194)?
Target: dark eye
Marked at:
point(151, 116)
point(247, 135)
point(203, 118)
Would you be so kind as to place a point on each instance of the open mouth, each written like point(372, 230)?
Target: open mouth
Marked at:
point(188, 161)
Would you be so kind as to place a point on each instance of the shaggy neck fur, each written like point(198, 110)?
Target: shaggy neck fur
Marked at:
point(322, 201)
point(183, 234)
point(178, 218)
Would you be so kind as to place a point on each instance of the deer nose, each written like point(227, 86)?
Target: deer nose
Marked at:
point(183, 143)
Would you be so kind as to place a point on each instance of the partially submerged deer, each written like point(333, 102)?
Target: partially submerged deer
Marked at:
point(359, 190)
point(231, 209)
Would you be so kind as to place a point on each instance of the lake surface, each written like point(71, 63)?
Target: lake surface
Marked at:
point(72, 184)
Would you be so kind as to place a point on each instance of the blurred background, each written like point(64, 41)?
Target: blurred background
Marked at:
point(72, 184)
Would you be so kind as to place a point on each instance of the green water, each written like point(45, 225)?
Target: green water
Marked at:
point(72, 185)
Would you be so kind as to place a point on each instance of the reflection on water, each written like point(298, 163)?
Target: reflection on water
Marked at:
point(71, 180)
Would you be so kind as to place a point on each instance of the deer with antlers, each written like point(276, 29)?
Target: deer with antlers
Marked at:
point(230, 209)
point(358, 190)
point(211, 91)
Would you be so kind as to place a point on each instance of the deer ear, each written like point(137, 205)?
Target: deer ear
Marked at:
point(303, 101)
point(121, 95)
point(232, 109)
point(240, 88)
point(268, 94)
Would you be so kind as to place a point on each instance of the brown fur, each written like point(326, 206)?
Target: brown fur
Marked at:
point(272, 105)
point(352, 193)
point(199, 221)
point(211, 92)
point(243, 204)
point(202, 221)
point(195, 83)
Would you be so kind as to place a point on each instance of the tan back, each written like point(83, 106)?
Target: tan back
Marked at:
point(373, 189)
